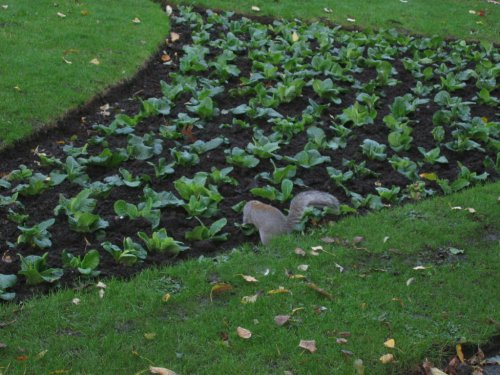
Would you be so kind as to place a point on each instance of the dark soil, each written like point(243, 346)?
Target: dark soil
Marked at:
point(76, 128)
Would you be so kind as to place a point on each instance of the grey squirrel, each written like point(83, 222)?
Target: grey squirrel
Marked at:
point(271, 222)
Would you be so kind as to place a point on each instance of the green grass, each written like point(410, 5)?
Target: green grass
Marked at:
point(37, 85)
point(447, 18)
point(451, 299)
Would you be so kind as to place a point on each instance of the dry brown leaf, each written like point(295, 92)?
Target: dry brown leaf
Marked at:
point(220, 288)
point(300, 252)
point(165, 57)
point(243, 333)
point(436, 371)
point(85, 12)
point(161, 371)
point(347, 353)
point(387, 358)
point(75, 301)
point(328, 240)
point(308, 345)
point(345, 334)
point(341, 340)
point(281, 319)
point(2, 345)
point(303, 267)
point(321, 291)
point(6, 257)
point(166, 297)
point(95, 61)
point(297, 277)
point(174, 37)
point(358, 239)
point(391, 343)
point(249, 278)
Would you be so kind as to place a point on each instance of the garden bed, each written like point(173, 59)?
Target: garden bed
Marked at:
point(374, 119)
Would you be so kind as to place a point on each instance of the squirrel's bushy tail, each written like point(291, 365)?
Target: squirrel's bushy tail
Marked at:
point(308, 198)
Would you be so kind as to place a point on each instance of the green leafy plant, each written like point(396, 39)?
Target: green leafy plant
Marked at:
point(108, 158)
point(358, 115)
point(390, 195)
point(86, 265)
point(7, 281)
point(327, 90)
point(160, 241)
point(308, 159)
point(433, 156)
point(201, 232)
point(142, 210)
point(339, 177)
point(34, 269)
point(145, 147)
point(273, 194)
point(37, 235)
point(374, 150)
point(131, 253)
point(238, 157)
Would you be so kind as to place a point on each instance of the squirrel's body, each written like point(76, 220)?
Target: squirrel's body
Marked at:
point(271, 222)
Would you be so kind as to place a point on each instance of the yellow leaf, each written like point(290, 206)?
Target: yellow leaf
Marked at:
point(249, 278)
point(460, 353)
point(166, 297)
point(387, 358)
point(41, 354)
point(95, 61)
point(136, 20)
point(243, 333)
point(165, 57)
point(220, 288)
point(436, 371)
point(298, 276)
point(161, 371)
point(280, 290)
point(150, 335)
point(85, 12)
point(391, 343)
point(295, 36)
point(308, 345)
point(429, 176)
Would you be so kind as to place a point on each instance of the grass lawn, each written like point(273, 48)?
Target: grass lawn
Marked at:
point(378, 296)
point(447, 18)
point(47, 49)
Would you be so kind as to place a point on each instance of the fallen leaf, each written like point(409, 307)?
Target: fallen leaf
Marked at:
point(358, 239)
point(17, 88)
point(220, 288)
point(280, 290)
point(387, 358)
point(255, 8)
point(166, 297)
point(351, 20)
point(319, 309)
point(436, 371)
point(62, 15)
point(75, 301)
point(419, 268)
point(249, 278)
point(243, 333)
point(165, 57)
point(472, 11)
point(347, 353)
point(85, 12)
point(295, 37)
point(391, 343)
point(471, 210)
point(456, 208)
point(6, 257)
point(101, 293)
point(5, 6)
point(297, 276)
point(328, 240)
point(386, 238)
point(341, 269)
point(455, 251)
point(95, 61)
point(22, 358)
point(136, 20)
point(41, 354)
point(341, 340)
point(104, 110)
point(2, 345)
point(460, 353)
point(429, 176)
point(150, 336)
point(168, 10)
point(303, 267)
point(327, 10)
point(249, 299)
point(409, 281)
point(161, 371)
point(308, 345)
point(281, 319)
point(321, 291)
point(101, 285)
point(300, 251)
point(174, 37)
point(317, 248)
point(67, 61)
